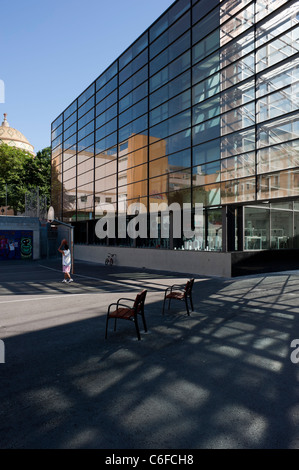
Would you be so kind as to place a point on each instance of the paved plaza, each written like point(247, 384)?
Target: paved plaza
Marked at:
point(222, 378)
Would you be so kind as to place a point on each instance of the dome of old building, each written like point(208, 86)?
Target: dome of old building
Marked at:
point(14, 138)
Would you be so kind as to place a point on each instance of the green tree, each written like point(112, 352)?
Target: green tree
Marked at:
point(21, 173)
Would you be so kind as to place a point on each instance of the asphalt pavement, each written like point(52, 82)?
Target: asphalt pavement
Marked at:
point(225, 377)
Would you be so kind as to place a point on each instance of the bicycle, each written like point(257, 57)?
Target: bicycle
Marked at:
point(110, 259)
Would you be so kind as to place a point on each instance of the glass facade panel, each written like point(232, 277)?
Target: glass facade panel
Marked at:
point(277, 50)
point(206, 68)
point(168, 18)
point(171, 71)
point(170, 35)
point(238, 142)
point(279, 103)
point(171, 53)
point(205, 47)
point(68, 122)
point(238, 167)
point(207, 152)
point(171, 89)
point(256, 228)
point(279, 184)
point(134, 81)
point(206, 110)
point(170, 108)
point(132, 98)
point(106, 116)
point(281, 223)
point(86, 95)
point(238, 190)
point(202, 8)
point(171, 126)
point(133, 113)
point(278, 24)
point(133, 51)
point(206, 89)
point(207, 195)
point(238, 23)
point(278, 77)
point(278, 157)
point(106, 76)
point(280, 130)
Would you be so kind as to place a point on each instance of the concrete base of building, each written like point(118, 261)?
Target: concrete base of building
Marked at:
point(205, 263)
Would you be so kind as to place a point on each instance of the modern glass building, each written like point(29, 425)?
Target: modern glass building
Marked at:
point(201, 108)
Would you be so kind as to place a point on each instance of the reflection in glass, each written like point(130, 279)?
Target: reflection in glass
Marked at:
point(206, 152)
point(171, 71)
point(277, 24)
point(206, 89)
point(276, 104)
point(214, 233)
point(170, 35)
point(287, 74)
point(206, 67)
point(278, 50)
point(238, 119)
point(171, 89)
point(278, 157)
point(104, 171)
point(205, 26)
point(207, 195)
point(238, 71)
point(206, 131)
point(237, 96)
point(239, 142)
point(238, 167)
point(238, 190)
point(170, 108)
point(236, 49)
point(279, 184)
point(265, 7)
point(238, 23)
point(280, 130)
point(281, 229)
point(206, 174)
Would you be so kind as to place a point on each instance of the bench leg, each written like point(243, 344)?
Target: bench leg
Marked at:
point(187, 307)
point(137, 329)
point(163, 305)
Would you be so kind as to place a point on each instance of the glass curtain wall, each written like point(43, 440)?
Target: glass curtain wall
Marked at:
point(201, 109)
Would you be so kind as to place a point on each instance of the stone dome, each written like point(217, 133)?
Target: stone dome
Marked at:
point(14, 138)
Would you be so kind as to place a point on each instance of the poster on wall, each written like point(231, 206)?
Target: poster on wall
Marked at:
point(16, 244)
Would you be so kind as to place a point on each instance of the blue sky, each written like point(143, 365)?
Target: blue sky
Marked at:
point(52, 50)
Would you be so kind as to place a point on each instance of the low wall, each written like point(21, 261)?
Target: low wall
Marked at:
point(26, 224)
point(205, 263)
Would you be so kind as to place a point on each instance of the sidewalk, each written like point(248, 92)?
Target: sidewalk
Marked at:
point(221, 378)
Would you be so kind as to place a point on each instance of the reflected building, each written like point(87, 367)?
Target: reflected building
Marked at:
point(201, 108)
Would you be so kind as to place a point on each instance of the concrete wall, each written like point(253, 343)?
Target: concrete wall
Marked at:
point(24, 223)
point(198, 262)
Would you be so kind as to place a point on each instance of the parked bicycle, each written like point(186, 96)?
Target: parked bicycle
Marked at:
point(111, 258)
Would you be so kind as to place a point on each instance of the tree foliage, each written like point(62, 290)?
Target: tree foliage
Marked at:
point(20, 173)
